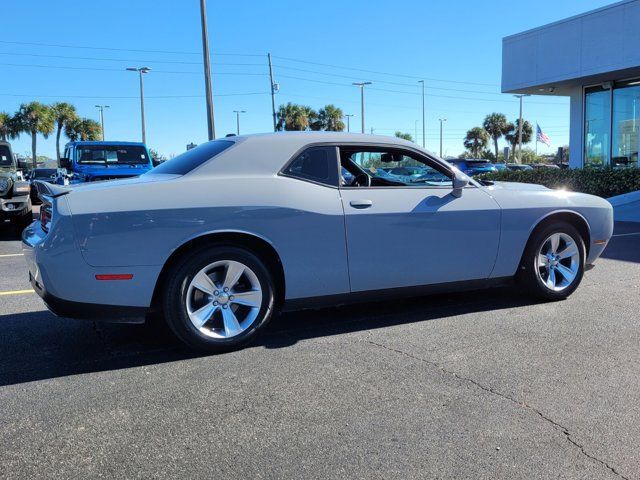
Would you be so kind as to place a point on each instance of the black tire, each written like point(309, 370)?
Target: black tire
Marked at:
point(528, 276)
point(175, 297)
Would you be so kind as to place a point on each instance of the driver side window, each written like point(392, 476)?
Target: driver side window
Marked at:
point(383, 167)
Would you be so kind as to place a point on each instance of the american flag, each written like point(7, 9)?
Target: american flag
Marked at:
point(542, 137)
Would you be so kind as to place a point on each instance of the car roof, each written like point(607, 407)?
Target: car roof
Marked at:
point(266, 153)
point(98, 142)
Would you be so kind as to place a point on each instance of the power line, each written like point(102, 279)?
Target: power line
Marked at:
point(131, 97)
point(375, 80)
point(72, 57)
point(112, 49)
point(413, 93)
point(415, 77)
point(99, 69)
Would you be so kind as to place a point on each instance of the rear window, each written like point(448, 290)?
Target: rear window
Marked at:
point(108, 154)
point(5, 156)
point(187, 161)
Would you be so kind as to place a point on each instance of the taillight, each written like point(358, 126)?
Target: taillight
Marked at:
point(45, 216)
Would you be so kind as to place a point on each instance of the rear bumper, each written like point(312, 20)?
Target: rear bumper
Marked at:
point(69, 287)
point(88, 311)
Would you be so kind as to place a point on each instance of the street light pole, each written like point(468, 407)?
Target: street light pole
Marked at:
point(101, 108)
point(361, 85)
point(521, 96)
point(424, 128)
point(238, 112)
point(349, 115)
point(442, 120)
point(141, 71)
point(207, 71)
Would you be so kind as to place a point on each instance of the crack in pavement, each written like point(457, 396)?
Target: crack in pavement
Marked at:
point(565, 431)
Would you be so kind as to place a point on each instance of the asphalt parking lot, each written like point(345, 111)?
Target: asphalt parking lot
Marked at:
point(471, 385)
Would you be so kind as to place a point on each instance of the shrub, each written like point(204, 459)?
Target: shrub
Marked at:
point(604, 182)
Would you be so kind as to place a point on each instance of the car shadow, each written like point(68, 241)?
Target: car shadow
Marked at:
point(37, 345)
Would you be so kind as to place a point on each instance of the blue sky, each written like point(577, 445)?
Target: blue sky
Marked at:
point(319, 49)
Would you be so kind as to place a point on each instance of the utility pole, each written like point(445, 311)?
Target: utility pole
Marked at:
point(101, 108)
point(520, 96)
point(274, 89)
point(424, 129)
point(141, 71)
point(361, 85)
point(207, 71)
point(442, 120)
point(238, 112)
point(349, 115)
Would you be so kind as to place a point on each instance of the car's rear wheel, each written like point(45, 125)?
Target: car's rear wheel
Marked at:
point(219, 298)
point(553, 262)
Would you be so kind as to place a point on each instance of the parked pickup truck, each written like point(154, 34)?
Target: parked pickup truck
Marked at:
point(15, 203)
point(94, 161)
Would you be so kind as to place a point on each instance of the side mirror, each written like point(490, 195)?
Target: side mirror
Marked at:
point(65, 163)
point(460, 180)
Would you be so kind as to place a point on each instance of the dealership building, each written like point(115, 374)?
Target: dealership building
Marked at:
point(593, 58)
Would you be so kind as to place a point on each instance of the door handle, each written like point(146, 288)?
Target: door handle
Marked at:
point(361, 203)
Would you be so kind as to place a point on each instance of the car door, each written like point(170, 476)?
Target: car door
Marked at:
point(414, 233)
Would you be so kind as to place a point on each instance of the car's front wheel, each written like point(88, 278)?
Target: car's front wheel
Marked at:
point(217, 299)
point(553, 262)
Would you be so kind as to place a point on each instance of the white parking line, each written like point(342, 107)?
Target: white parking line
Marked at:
point(11, 255)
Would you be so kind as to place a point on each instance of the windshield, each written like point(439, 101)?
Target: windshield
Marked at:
point(43, 173)
point(112, 154)
point(5, 156)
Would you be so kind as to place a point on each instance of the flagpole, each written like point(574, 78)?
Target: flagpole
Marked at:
point(537, 127)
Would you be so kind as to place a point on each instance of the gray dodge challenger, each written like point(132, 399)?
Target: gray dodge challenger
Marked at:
point(220, 238)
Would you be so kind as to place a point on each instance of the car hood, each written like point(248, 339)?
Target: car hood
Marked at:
point(517, 186)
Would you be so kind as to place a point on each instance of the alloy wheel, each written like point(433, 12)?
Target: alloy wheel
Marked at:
point(224, 299)
point(558, 261)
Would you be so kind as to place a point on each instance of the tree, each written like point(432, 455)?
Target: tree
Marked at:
point(511, 135)
point(476, 141)
point(7, 126)
point(34, 118)
point(83, 129)
point(63, 114)
point(496, 126)
point(295, 117)
point(330, 119)
point(404, 136)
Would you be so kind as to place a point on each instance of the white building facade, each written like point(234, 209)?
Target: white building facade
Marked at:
point(593, 58)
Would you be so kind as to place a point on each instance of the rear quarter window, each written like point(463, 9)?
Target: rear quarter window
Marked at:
point(189, 160)
point(316, 164)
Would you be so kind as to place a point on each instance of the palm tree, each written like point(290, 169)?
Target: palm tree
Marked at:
point(511, 135)
point(404, 136)
point(295, 117)
point(63, 113)
point(476, 141)
point(329, 118)
point(7, 127)
point(496, 125)
point(34, 118)
point(83, 129)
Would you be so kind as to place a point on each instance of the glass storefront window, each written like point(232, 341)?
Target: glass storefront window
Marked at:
point(597, 126)
point(626, 125)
